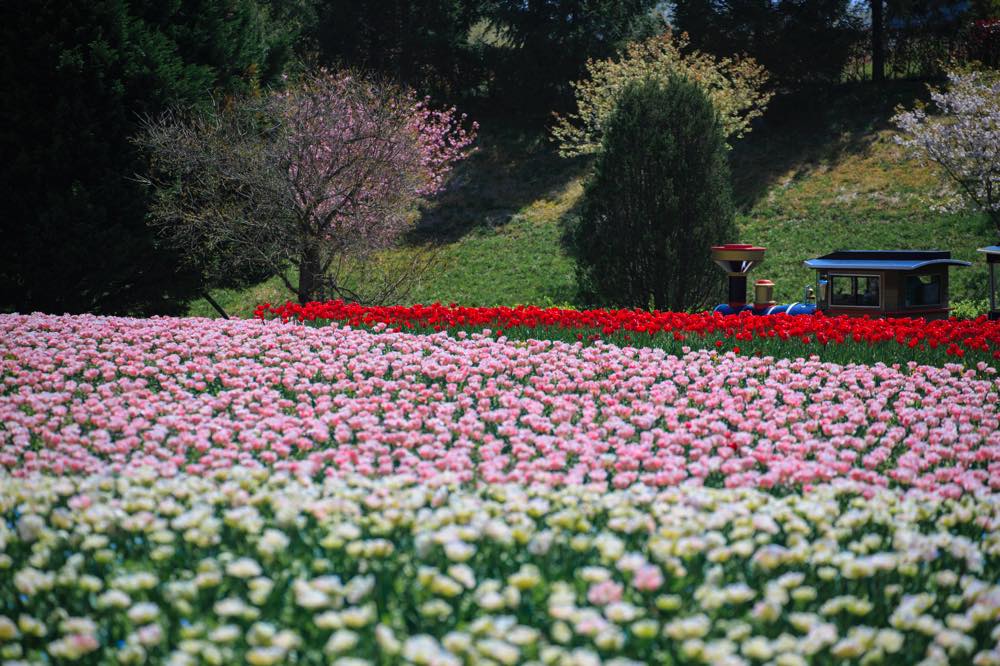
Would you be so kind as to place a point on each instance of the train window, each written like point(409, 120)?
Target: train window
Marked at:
point(868, 288)
point(922, 290)
point(855, 290)
point(842, 290)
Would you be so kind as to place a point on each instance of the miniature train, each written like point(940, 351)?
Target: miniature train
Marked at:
point(876, 283)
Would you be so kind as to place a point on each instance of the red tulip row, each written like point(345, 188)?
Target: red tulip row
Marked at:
point(889, 340)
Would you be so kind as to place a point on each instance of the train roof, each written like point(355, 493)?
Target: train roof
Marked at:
point(884, 260)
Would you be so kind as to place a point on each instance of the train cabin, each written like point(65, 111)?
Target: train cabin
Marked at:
point(884, 283)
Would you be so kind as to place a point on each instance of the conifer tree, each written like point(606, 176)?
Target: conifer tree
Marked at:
point(659, 197)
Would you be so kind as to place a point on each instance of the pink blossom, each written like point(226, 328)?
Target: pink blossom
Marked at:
point(648, 578)
point(605, 592)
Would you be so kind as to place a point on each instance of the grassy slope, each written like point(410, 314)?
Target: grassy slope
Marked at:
point(817, 175)
point(836, 180)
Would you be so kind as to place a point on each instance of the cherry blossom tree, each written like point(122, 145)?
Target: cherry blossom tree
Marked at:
point(963, 139)
point(322, 176)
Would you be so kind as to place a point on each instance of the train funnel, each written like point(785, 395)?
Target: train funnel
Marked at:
point(737, 259)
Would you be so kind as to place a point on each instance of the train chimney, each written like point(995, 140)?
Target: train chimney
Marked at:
point(737, 259)
point(763, 295)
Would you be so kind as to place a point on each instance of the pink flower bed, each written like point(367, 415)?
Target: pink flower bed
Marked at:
point(88, 394)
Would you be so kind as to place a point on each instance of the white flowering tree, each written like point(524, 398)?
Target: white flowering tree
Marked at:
point(735, 86)
point(962, 138)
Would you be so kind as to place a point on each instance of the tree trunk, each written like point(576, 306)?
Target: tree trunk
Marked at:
point(309, 275)
point(878, 45)
point(214, 304)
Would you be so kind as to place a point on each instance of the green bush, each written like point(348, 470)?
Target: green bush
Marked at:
point(969, 308)
point(658, 198)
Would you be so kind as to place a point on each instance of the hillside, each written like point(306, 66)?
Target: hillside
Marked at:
point(817, 174)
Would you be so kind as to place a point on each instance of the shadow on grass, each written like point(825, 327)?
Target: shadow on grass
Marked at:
point(516, 164)
point(804, 131)
point(512, 168)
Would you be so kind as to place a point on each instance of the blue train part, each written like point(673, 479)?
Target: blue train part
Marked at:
point(783, 308)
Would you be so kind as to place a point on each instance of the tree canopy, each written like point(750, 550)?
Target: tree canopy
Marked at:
point(735, 86)
point(318, 176)
point(797, 41)
point(423, 44)
point(962, 139)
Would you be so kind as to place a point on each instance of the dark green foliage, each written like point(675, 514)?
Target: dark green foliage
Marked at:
point(549, 42)
point(986, 9)
point(423, 44)
point(516, 57)
point(922, 36)
point(798, 41)
point(76, 77)
point(658, 198)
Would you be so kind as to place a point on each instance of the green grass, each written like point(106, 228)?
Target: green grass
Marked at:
point(819, 174)
point(241, 303)
point(521, 262)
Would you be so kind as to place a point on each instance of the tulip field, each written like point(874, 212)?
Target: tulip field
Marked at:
point(839, 339)
point(448, 485)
